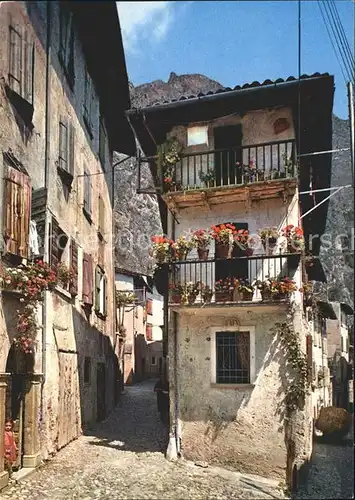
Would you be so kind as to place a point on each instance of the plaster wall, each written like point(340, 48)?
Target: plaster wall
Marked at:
point(241, 426)
point(257, 128)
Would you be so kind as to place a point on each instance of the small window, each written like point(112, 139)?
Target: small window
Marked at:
point(66, 43)
point(149, 332)
point(89, 97)
point(21, 62)
point(100, 292)
point(154, 361)
point(87, 207)
point(66, 154)
point(87, 292)
point(197, 135)
point(233, 357)
point(87, 370)
point(150, 306)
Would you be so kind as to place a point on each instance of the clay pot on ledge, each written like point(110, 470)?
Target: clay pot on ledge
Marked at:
point(202, 253)
point(222, 251)
point(176, 298)
point(266, 295)
point(222, 296)
point(246, 296)
point(192, 298)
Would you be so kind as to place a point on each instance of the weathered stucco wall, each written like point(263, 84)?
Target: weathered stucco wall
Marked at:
point(70, 334)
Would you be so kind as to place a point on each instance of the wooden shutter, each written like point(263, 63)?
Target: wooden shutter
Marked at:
point(102, 143)
point(149, 306)
point(101, 216)
point(71, 150)
point(54, 243)
point(18, 193)
point(74, 267)
point(104, 284)
point(28, 49)
point(87, 192)
point(309, 351)
point(15, 59)
point(149, 332)
point(87, 279)
point(98, 275)
point(63, 144)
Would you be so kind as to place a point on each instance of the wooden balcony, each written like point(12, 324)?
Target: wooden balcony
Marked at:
point(253, 172)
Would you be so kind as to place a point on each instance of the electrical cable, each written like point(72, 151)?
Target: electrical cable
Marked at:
point(338, 21)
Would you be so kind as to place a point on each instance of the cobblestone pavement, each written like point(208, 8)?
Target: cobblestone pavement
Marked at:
point(123, 459)
point(330, 473)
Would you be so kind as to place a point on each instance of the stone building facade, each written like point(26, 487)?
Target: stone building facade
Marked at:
point(142, 319)
point(61, 107)
point(228, 370)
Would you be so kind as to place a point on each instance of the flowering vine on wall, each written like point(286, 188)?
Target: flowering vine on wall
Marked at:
point(30, 282)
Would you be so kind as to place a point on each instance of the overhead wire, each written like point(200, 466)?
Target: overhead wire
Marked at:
point(338, 22)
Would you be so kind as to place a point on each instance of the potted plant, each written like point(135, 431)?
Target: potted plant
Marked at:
point(206, 293)
point(182, 247)
point(189, 292)
point(283, 287)
point(265, 287)
point(201, 239)
point(223, 235)
point(294, 238)
point(269, 236)
point(175, 290)
point(224, 289)
point(65, 275)
point(307, 290)
point(244, 241)
point(161, 248)
point(208, 178)
point(245, 289)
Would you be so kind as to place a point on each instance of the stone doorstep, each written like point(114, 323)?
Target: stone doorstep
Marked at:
point(22, 473)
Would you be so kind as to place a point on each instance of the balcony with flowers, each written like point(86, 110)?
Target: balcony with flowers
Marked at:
point(239, 268)
point(258, 171)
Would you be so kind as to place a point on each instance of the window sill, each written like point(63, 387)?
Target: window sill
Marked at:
point(87, 215)
point(232, 386)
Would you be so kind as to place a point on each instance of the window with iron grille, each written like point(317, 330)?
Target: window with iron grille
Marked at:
point(149, 331)
point(66, 43)
point(21, 62)
point(87, 206)
point(232, 357)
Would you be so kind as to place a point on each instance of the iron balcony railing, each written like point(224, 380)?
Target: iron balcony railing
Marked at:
point(232, 167)
point(206, 281)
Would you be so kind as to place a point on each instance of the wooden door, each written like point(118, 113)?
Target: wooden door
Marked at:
point(69, 399)
point(228, 139)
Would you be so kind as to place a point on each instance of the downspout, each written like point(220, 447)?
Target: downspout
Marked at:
point(46, 184)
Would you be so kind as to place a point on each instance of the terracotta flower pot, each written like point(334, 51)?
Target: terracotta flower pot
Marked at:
point(176, 298)
point(246, 296)
point(280, 296)
point(269, 244)
point(222, 296)
point(249, 251)
point(222, 251)
point(265, 294)
point(160, 257)
point(207, 298)
point(203, 253)
point(191, 299)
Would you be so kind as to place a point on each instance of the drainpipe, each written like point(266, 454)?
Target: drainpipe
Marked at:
point(46, 184)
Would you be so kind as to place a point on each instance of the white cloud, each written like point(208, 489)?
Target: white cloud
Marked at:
point(142, 19)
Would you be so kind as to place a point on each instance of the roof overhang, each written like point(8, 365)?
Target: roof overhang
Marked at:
point(100, 34)
point(326, 309)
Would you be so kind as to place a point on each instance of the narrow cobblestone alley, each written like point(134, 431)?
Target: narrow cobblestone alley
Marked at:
point(123, 459)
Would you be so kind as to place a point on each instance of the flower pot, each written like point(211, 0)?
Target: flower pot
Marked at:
point(280, 296)
point(269, 244)
point(222, 251)
point(181, 255)
point(249, 251)
point(207, 298)
point(191, 299)
point(203, 253)
point(222, 296)
point(176, 298)
point(160, 257)
point(265, 294)
point(308, 299)
point(246, 296)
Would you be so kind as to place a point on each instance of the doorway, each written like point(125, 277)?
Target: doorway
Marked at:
point(227, 144)
point(101, 391)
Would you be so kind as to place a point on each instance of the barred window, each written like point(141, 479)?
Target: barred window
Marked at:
point(232, 357)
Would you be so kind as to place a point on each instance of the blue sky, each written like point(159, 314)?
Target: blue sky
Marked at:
point(231, 42)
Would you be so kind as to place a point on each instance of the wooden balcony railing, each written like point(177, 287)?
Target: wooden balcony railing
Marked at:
point(202, 280)
point(232, 167)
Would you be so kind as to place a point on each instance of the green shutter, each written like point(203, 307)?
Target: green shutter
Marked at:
point(97, 288)
point(104, 312)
